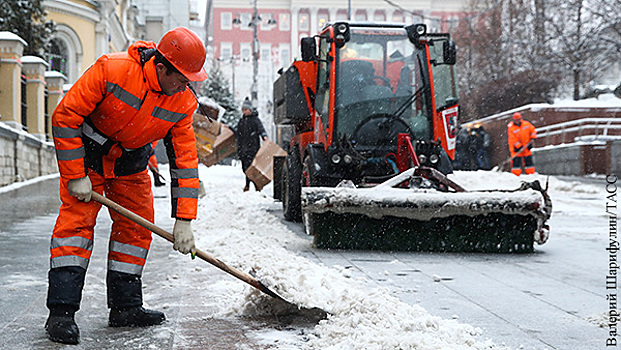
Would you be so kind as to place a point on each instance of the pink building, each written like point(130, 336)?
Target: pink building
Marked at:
point(282, 23)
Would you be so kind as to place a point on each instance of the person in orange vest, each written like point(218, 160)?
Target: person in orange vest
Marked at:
point(522, 135)
point(103, 132)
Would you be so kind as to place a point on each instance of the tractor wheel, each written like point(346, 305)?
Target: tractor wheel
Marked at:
point(292, 191)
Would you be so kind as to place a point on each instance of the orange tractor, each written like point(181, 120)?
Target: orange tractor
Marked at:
point(366, 103)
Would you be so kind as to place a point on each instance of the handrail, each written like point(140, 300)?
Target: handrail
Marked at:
point(583, 127)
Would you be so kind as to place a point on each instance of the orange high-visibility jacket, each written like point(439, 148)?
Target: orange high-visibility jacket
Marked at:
point(520, 136)
point(118, 106)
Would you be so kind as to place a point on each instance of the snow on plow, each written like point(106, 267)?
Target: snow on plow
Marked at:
point(423, 218)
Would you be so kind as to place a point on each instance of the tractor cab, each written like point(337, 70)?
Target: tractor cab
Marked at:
point(377, 81)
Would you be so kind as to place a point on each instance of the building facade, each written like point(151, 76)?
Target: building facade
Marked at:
point(87, 29)
point(280, 24)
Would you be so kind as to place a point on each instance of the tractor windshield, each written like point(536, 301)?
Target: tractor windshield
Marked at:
point(379, 73)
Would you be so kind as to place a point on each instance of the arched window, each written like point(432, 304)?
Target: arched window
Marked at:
point(57, 56)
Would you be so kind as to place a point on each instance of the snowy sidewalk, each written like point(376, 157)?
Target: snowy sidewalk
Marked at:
point(172, 283)
point(551, 299)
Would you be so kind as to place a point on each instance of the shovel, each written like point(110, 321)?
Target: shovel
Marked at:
point(169, 237)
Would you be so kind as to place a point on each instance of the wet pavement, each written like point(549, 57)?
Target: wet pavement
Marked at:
point(27, 217)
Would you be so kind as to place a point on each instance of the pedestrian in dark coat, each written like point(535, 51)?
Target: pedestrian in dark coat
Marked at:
point(248, 134)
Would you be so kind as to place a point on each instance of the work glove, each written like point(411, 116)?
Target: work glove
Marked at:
point(184, 238)
point(530, 146)
point(81, 188)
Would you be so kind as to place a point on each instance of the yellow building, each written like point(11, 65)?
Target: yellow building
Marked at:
point(88, 29)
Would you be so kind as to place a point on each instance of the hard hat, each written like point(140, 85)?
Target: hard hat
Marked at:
point(185, 51)
point(517, 116)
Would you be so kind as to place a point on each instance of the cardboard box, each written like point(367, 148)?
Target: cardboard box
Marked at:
point(206, 133)
point(261, 171)
point(223, 146)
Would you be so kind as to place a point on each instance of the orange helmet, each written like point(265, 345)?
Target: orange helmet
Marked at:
point(185, 51)
point(517, 116)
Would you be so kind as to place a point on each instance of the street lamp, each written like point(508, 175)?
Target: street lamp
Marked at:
point(255, 54)
point(254, 23)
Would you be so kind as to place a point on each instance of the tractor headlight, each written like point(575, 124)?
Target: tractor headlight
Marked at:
point(434, 158)
point(347, 159)
point(336, 158)
point(342, 35)
point(422, 158)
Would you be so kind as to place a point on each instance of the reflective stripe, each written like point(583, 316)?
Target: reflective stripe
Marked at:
point(166, 115)
point(119, 266)
point(124, 95)
point(93, 135)
point(68, 260)
point(66, 133)
point(184, 192)
point(70, 154)
point(75, 241)
point(184, 173)
point(128, 249)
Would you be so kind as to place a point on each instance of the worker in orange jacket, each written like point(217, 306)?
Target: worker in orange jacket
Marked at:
point(103, 132)
point(522, 135)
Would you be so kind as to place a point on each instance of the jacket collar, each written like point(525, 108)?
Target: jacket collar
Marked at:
point(150, 74)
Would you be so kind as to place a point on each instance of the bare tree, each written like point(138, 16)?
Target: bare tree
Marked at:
point(502, 62)
point(578, 37)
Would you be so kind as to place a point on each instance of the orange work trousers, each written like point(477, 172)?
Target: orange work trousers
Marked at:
point(72, 239)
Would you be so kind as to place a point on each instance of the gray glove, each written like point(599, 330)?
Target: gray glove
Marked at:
point(184, 238)
point(80, 188)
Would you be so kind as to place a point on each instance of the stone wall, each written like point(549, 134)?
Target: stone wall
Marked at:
point(23, 156)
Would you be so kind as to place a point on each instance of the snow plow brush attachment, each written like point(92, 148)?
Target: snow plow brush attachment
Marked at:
point(428, 216)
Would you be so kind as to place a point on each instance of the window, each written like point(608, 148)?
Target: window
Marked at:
point(226, 19)
point(341, 15)
point(57, 56)
point(322, 99)
point(379, 16)
point(304, 22)
point(284, 22)
point(226, 51)
point(285, 55)
point(246, 18)
point(322, 19)
point(246, 51)
point(397, 16)
point(361, 15)
point(267, 22)
point(266, 52)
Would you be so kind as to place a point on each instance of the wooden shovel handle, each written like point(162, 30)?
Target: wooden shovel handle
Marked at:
point(169, 237)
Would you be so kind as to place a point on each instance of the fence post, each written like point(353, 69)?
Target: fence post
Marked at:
point(11, 50)
point(55, 81)
point(34, 70)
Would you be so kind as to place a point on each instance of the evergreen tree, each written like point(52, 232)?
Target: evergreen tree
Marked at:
point(27, 19)
point(217, 88)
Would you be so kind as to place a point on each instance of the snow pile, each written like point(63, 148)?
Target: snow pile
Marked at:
point(240, 228)
point(603, 100)
point(489, 180)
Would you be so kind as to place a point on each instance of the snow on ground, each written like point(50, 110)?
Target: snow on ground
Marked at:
point(246, 228)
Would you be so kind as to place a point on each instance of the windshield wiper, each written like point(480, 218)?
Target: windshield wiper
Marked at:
point(408, 103)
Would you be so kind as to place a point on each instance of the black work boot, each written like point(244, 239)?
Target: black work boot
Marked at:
point(135, 316)
point(61, 327)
